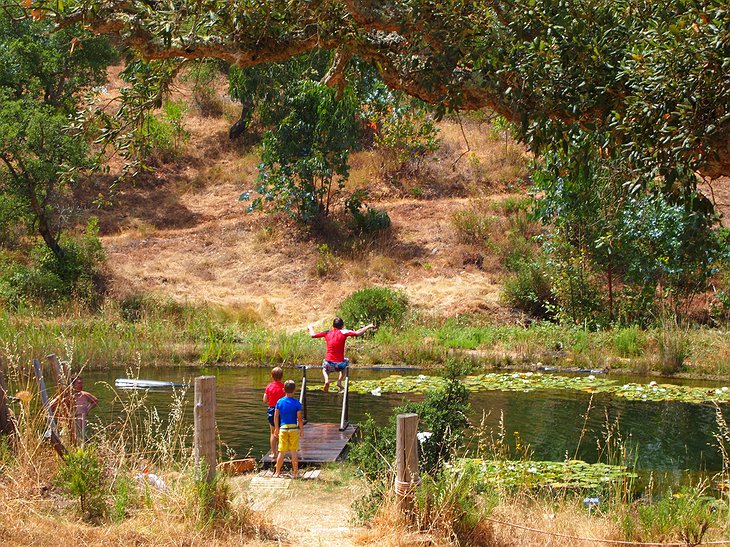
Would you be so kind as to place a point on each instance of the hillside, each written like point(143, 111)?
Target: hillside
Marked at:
point(182, 231)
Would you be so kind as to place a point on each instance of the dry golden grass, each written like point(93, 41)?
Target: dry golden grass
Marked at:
point(182, 231)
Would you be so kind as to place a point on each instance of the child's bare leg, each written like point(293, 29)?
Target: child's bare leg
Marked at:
point(294, 463)
point(279, 463)
point(326, 380)
point(273, 441)
point(339, 380)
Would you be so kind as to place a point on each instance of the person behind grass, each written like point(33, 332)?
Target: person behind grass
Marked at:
point(335, 359)
point(289, 428)
point(83, 403)
point(274, 391)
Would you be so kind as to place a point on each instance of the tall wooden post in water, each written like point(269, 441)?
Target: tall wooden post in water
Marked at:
point(406, 461)
point(204, 415)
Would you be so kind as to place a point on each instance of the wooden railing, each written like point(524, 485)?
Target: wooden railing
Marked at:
point(344, 420)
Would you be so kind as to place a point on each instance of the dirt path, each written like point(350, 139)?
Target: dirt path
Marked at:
point(309, 512)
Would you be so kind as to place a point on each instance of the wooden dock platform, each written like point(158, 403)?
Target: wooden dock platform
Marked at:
point(322, 443)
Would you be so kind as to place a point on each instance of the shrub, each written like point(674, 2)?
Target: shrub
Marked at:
point(443, 413)
point(50, 279)
point(530, 290)
point(163, 138)
point(685, 515)
point(327, 263)
point(370, 221)
point(472, 226)
point(82, 475)
point(377, 305)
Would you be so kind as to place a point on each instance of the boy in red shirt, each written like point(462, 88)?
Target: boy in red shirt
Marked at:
point(274, 392)
point(335, 359)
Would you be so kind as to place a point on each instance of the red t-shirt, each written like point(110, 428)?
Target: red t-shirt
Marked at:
point(336, 339)
point(274, 392)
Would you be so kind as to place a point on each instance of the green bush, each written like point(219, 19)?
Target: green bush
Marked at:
point(81, 475)
point(379, 305)
point(51, 279)
point(365, 219)
point(443, 413)
point(530, 290)
point(327, 263)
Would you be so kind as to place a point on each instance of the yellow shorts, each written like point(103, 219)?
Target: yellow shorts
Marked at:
point(288, 440)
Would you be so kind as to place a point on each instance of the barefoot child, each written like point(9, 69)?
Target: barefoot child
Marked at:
point(335, 359)
point(274, 392)
point(289, 428)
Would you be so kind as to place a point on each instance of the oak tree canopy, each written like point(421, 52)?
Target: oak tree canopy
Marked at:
point(653, 77)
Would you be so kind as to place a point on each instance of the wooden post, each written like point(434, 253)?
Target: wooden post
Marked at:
point(204, 414)
point(343, 418)
point(7, 425)
point(303, 393)
point(65, 398)
point(406, 461)
point(54, 438)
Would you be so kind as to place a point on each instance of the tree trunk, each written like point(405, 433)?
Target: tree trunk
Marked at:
point(239, 128)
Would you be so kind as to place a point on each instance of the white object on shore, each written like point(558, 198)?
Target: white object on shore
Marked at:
point(422, 436)
point(153, 480)
point(377, 392)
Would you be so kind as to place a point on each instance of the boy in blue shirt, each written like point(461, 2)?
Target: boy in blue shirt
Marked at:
point(289, 428)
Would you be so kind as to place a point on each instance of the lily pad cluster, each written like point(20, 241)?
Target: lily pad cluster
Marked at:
point(531, 381)
point(671, 392)
point(537, 474)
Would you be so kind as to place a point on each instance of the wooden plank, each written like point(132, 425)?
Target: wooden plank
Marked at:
point(7, 424)
point(204, 437)
point(65, 404)
point(322, 442)
point(269, 483)
point(54, 438)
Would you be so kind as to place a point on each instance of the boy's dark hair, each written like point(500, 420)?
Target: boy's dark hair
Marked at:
point(338, 323)
point(289, 386)
point(277, 374)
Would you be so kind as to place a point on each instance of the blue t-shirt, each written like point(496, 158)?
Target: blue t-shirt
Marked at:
point(288, 408)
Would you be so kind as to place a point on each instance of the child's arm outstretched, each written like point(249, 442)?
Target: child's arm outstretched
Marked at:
point(364, 329)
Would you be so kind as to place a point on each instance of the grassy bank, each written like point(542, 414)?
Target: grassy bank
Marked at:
point(174, 334)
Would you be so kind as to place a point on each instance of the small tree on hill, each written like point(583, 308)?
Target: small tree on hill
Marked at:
point(305, 158)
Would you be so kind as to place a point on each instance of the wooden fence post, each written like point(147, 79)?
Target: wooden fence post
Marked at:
point(406, 461)
point(7, 425)
point(54, 438)
point(204, 414)
point(64, 395)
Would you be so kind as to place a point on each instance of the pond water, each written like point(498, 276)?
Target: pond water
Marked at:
point(676, 439)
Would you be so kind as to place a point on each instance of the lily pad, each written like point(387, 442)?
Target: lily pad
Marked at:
point(566, 474)
point(531, 381)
